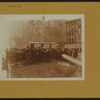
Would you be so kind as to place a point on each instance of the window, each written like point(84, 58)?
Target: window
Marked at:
point(69, 40)
point(73, 26)
point(80, 49)
point(67, 28)
point(69, 33)
point(72, 33)
point(66, 40)
point(72, 40)
point(76, 26)
point(75, 39)
point(70, 27)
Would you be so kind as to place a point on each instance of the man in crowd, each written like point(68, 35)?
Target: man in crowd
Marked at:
point(37, 54)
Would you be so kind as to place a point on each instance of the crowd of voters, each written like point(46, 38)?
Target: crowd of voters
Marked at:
point(36, 55)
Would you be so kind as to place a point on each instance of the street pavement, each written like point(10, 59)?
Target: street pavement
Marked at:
point(50, 69)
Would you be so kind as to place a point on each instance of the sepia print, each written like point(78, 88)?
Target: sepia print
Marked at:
point(42, 47)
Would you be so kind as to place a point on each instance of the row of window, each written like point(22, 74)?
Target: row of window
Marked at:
point(71, 27)
point(71, 33)
point(71, 40)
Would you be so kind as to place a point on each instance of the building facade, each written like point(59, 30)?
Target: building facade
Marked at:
point(74, 33)
point(59, 31)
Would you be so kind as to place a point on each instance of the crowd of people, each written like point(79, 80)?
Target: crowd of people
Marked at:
point(36, 55)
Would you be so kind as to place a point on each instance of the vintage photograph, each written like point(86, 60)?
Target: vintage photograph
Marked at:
point(42, 47)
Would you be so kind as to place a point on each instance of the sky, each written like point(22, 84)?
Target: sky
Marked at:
point(39, 16)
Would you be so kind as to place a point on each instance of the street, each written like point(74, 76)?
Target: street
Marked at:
point(51, 69)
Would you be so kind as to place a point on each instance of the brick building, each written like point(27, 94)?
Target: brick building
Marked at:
point(73, 34)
